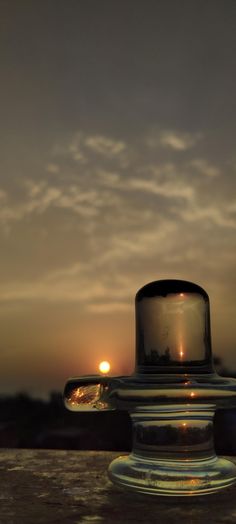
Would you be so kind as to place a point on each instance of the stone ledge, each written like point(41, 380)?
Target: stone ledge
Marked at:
point(71, 487)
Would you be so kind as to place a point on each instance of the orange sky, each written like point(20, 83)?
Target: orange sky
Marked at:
point(118, 168)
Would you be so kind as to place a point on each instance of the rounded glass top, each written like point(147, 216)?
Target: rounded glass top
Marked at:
point(173, 328)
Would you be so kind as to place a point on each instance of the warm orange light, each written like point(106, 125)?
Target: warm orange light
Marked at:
point(181, 353)
point(192, 394)
point(104, 367)
point(181, 294)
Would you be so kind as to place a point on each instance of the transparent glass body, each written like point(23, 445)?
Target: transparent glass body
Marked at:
point(172, 329)
point(171, 397)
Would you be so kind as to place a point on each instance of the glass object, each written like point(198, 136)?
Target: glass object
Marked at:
point(171, 397)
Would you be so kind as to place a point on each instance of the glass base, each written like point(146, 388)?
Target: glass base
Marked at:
point(170, 478)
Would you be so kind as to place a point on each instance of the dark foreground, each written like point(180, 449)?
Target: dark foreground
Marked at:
point(71, 487)
point(29, 423)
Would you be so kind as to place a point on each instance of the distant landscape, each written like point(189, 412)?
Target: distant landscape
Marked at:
point(35, 423)
point(30, 423)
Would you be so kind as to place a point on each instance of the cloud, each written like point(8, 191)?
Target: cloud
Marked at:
point(83, 148)
point(3, 196)
point(142, 243)
point(204, 168)
point(232, 207)
point(104, 146)
point(172, 139)
point(174, 189)
point(52, 168)
point(41, 197)
point(108, 178)
point(177, 141)
point(218, 216)
point(78, 284)
point(96, 192)
point(112, 226)
point(76, 149)
point(109, 307)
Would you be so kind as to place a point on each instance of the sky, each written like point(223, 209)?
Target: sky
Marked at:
point(118, 167)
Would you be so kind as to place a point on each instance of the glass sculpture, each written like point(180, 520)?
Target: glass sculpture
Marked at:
point(171, 396)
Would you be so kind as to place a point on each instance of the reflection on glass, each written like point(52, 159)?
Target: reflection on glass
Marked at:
point(88, 396)
point(172, 327)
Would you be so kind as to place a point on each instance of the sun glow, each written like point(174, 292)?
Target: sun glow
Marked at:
point(104, 367)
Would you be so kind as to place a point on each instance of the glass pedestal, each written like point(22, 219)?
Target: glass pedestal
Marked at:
point(173, 453)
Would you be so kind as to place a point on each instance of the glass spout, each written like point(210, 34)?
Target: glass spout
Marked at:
point(88, 393)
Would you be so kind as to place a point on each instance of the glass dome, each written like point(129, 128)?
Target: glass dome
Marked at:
point(172, 328)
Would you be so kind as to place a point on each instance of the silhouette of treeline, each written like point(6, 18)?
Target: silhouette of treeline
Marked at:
point(155, 358)
point(29, 423)
point(169, 435)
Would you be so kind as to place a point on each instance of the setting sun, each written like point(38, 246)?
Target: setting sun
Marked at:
point(104, 367)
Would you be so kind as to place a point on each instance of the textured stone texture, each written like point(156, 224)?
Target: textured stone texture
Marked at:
point(65, 487)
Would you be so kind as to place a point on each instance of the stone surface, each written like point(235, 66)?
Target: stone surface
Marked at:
point(71, 487)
